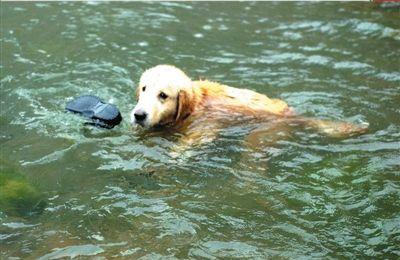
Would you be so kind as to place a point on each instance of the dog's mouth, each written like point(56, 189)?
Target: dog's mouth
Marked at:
point(158, 126)
point(141, 123)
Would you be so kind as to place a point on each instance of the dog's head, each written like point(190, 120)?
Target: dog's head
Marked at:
point(164, 96)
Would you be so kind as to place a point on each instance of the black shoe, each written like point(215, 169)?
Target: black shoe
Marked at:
point(102, 114)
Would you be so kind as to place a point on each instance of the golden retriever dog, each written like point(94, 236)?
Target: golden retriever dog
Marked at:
point(199, 109)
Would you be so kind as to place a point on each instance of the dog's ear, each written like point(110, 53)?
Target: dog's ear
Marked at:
point(184, 105)
point(137, 92)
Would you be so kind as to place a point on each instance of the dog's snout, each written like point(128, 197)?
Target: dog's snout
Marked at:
point(140, 115)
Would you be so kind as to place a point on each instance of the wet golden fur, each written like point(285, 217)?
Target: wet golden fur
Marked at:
point(221, 98)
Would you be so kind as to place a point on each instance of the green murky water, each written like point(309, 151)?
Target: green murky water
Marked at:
point(120, 194)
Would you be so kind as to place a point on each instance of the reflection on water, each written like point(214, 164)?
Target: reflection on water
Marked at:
point(120, 193)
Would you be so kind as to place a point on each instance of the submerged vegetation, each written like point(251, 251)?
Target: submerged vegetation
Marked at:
point(17, 195)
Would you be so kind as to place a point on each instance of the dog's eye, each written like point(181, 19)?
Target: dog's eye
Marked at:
point(144, 88)
point(163, 95)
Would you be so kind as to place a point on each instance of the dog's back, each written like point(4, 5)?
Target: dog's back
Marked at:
point(217, 96)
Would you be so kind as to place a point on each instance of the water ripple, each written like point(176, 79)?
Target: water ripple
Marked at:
point(122, 193)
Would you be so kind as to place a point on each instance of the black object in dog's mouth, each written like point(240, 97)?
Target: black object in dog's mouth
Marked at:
point(101, 114)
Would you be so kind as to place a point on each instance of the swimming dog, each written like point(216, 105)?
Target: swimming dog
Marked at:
point(167, 97)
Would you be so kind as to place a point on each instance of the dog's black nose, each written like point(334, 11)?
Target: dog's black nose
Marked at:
point(140, 115)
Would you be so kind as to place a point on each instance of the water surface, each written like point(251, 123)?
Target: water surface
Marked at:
point(120, 193)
